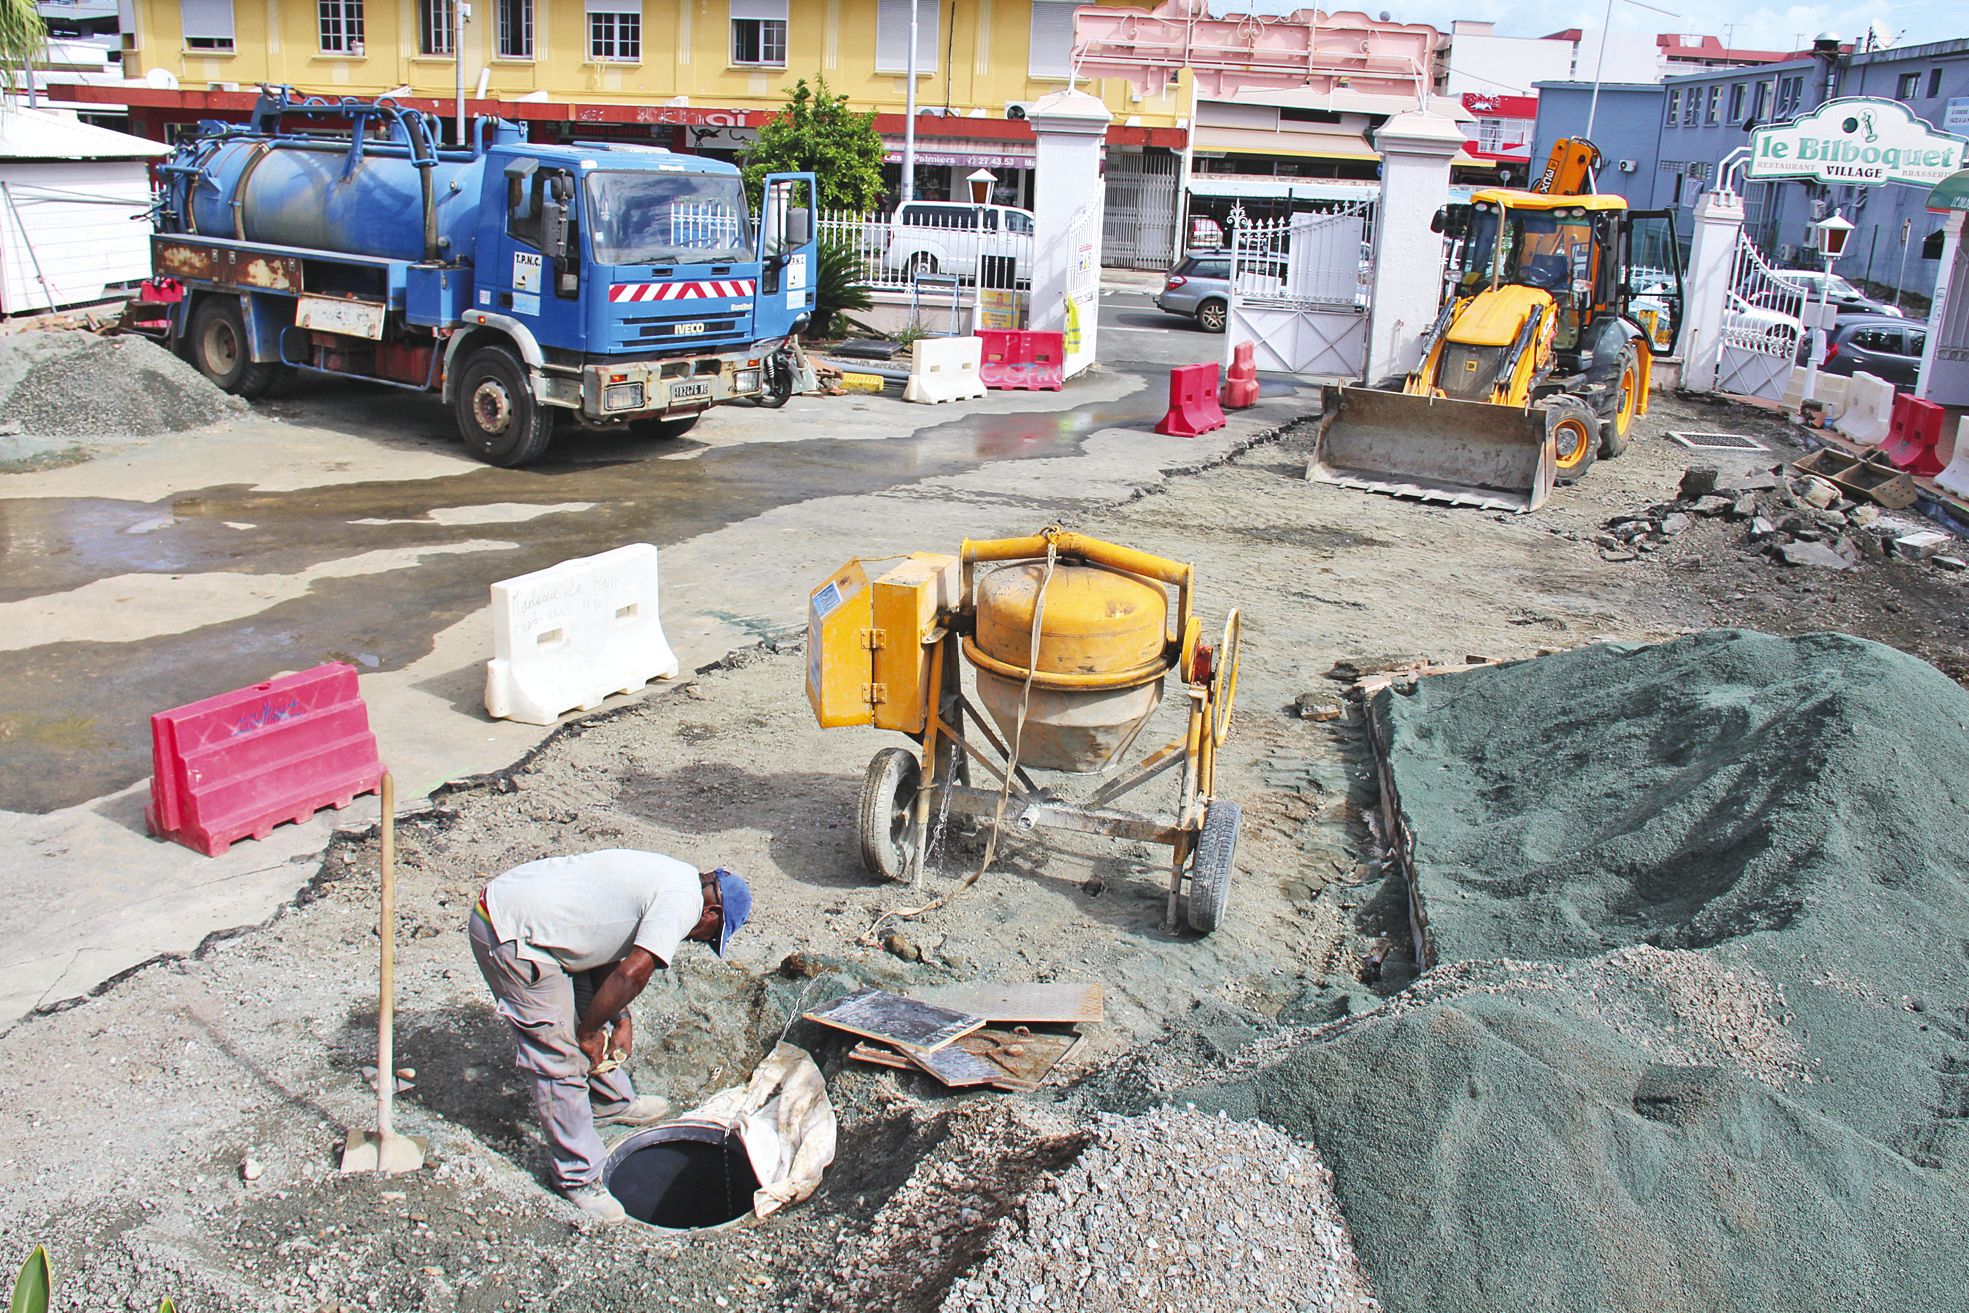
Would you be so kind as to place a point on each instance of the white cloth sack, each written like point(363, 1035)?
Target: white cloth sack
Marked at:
point(786, 1122)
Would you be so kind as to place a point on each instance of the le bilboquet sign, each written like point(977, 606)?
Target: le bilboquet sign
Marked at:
point(1857, 141)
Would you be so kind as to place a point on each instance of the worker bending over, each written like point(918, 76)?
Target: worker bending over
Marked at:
point(565, 944)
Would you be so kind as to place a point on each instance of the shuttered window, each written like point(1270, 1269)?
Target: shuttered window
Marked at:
point(1052, 39)
point(615, 30)
point(759, 32)
point(892, 36)
point(341, 26)
point(208, 24)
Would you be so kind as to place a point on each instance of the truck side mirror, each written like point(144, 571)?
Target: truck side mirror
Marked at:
point(799, 227)
point(554, 233)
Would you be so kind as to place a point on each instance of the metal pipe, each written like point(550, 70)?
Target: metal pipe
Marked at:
point(909, 114)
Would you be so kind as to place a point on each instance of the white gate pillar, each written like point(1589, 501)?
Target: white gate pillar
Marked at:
point(1950, 387)
point(1416, 149)
point(1705, 293)
point(1071, 128)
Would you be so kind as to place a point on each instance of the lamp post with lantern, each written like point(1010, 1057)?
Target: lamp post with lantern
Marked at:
point(1832, 232)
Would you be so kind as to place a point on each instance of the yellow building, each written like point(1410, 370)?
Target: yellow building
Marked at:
point(707, 71)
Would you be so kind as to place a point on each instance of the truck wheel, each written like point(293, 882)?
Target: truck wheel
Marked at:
point(1210, 868)
point(888, 813)
point(1213, 316)
point(1575, 434)
point(220, 351)
point(663, 430)
point(1627, 400)
point(498, 417)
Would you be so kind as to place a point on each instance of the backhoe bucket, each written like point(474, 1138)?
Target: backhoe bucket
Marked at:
point(1465, 453)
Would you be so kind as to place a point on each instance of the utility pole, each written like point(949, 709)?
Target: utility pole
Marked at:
point(1599, 65)
point(909, 115)
point(461, 10)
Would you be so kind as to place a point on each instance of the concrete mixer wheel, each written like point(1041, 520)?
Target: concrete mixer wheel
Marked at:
point(1223, 677)
point(1210, 869)
point(888, 813)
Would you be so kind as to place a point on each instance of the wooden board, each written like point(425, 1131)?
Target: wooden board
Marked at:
point(1061, 1003)
point(906, 1023)
point(957, 1068)
point(876, 1055)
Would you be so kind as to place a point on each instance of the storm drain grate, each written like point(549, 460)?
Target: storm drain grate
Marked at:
point(1716, 441)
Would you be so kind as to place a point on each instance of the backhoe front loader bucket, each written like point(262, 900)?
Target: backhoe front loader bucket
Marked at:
point(1465, 453)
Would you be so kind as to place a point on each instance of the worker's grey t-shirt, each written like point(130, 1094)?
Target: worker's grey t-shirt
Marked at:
point(585, 912)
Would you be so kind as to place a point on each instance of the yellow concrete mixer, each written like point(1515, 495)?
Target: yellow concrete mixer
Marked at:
point(1071, 642)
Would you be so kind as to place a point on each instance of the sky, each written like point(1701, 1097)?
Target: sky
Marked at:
point(1745, 24)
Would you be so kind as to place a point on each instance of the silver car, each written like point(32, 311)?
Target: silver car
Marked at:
point(1199, 287)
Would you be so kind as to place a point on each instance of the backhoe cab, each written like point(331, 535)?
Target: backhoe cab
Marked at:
point(1534, 367)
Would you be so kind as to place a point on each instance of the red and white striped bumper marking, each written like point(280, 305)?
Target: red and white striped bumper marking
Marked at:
point(680, 291)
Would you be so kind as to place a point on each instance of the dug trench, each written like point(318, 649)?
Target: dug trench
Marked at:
point(1102, 1191)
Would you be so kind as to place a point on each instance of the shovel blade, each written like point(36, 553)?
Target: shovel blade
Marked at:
point(381, 1151)
point(1465, 453)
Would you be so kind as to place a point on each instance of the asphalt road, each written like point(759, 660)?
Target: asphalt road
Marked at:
point(1134, 332)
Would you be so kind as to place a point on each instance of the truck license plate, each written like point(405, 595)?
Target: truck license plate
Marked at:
point(689, 392)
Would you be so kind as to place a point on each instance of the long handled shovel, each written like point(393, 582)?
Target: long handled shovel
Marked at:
point(383, 1150)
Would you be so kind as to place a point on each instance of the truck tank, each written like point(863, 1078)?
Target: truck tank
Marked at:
point(296, 192)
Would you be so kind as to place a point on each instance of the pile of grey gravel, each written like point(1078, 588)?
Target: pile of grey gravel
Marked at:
point(79, 385)
point(1175, 1209)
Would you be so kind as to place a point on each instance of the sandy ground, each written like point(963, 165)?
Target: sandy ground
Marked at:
point(132, 1113)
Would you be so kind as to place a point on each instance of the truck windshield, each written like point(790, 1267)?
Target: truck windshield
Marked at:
point(658, 218)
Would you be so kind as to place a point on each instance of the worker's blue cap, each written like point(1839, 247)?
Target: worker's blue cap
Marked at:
point(736, 896)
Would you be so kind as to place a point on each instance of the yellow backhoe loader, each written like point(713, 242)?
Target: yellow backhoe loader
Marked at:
point(1536, 363)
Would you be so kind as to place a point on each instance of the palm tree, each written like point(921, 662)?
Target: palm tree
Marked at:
point(23, 38)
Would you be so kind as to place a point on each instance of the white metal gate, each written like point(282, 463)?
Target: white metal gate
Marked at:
point(1083, 290)
point(1948, 384)
point(1763, 324)
point(1299, 291)
point(1139, 231)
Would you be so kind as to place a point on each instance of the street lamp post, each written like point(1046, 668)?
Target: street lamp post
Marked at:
point(461, 13)
point(909, 114)
point(1833, 231)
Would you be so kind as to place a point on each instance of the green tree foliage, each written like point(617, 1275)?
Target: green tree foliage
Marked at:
point(34, 1285)
point(815, 132)
point(23, 39)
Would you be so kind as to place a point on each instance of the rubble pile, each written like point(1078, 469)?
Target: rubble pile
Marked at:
point(78, 385)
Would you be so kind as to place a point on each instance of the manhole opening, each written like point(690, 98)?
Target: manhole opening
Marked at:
point(682, 1177)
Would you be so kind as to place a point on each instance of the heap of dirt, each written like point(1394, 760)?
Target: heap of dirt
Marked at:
point(74, 384)
point(1701, 1036)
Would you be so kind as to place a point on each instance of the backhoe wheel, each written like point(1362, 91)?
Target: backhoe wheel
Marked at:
point(1210, 868)
point(220, 350)
point(888, 813)
point(498, 417)
point(1575, 434)
point(1213, 316)
point(1614, 430)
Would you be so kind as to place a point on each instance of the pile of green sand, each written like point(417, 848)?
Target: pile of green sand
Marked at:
point(1699, 1039)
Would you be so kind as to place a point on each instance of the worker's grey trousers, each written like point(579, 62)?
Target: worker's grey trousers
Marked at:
point(543, 1003)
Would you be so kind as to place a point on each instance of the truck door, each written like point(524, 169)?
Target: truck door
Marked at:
point(534, 272)
point(789, 256)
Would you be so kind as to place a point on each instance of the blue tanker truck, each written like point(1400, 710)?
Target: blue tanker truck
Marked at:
point(607, 286)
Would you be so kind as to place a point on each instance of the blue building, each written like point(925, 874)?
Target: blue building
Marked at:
point(1679, 134)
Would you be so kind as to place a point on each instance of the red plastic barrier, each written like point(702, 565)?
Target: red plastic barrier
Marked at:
point(1016, 361)
point(1913, 436)
point(243, 762)
point(1241, 381)
point(1193, 407)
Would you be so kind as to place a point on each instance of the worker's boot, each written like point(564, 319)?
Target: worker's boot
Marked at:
point(596, 1203)
point(643, 1110)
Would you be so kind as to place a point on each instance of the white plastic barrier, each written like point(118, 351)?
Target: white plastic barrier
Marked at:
point(575, 633)
point(1830, 389)
point(1956, 476)
point(945, 369)
point(1869, 410)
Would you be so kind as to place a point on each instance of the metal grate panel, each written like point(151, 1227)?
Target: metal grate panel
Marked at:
point(1716, 441)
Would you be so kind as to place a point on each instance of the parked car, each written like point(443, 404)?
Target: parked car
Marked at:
point(1755, 328)
point(1840, 294)
point(950, 237)
point(1886, 346)
point(1198, 287)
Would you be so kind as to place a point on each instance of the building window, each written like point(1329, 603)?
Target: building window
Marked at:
point(208, 24)
point(341, 26)
point(1757, 102)
point(892, 36)
point(516, 29)
point(1907, 86)
point(1934, 83)
point(1675, 107)
point(1791, 90)
point(1709, 114)
point(434, 26)
point(1692, 107)
point(1736, 104)
point(615, 34)
point(759, 32)
point(1051, 52)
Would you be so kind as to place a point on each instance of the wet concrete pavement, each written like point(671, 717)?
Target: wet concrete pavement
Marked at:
point(343, 524)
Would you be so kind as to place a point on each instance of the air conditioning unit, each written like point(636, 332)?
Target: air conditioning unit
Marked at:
point(1628, 166)
point(1016, 110)
point(1787, 253)
point(1818, 208)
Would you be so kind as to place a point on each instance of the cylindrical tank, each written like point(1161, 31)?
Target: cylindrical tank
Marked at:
point(1102, 657)
point(292, 193)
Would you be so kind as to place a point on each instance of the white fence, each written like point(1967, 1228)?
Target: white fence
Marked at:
point(1299, 290)
point(1763, 324)
point(938, 241)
